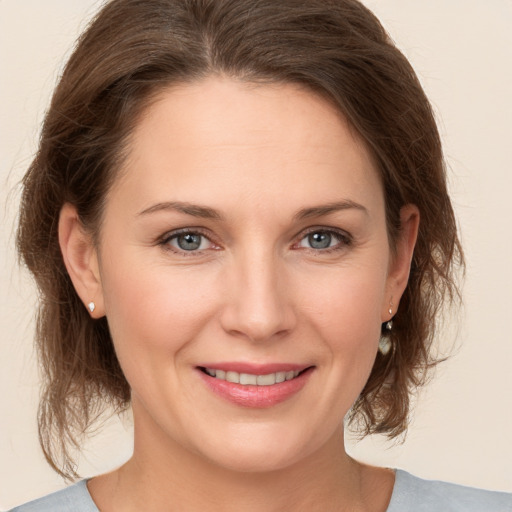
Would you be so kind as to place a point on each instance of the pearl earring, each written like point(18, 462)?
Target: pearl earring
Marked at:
point(384, 346)
point(385, 343)
point(91, 307)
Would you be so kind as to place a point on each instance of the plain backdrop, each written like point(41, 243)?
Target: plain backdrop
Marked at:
point(462, 52)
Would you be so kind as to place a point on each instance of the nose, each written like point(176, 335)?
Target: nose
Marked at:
point(259, 302)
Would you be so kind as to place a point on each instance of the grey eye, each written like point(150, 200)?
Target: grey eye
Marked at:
point(323, 239)
point(320, 240)
point(189, 241)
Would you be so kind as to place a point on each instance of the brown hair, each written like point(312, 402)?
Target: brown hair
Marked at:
point(131, 51)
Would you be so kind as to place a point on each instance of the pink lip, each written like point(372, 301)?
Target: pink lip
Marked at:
point(255, 369)
point(256, 396)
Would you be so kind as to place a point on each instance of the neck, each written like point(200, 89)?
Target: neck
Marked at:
point(163, 475)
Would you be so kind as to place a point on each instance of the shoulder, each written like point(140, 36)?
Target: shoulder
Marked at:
point(75, 498)
point(413, 493)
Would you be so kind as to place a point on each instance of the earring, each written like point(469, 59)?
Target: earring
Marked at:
point(91, 306)
point(385, 343)
point(389, 323)
point(384, 346)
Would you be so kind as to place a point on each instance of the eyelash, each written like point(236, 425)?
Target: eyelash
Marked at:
point(344, 241)
point(168, 237)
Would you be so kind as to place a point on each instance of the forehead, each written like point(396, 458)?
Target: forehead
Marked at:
point(221, 137)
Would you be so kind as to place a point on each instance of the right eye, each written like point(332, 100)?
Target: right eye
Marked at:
point(319, 240)
point(187, 241)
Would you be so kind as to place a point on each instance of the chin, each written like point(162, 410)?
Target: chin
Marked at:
point(265, 451)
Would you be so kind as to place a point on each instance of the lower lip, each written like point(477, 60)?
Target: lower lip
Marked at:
point(256, 396)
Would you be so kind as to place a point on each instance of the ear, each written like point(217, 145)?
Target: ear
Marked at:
point(400, 264)
point(81, 259)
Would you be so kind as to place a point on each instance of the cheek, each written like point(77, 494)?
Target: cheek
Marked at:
point(157, 310)
point(346, 303)
point(346, 314)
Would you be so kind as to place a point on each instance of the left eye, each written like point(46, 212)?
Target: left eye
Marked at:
point(321, 240)
point(189, 241)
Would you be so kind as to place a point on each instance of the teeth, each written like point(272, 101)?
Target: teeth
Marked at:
point(247, 379)
point(280, 377)
point(266, 380)
point(233, 377)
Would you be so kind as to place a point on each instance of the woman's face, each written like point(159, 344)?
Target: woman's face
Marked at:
point(245, 240)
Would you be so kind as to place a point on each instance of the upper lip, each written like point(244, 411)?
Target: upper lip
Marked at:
point(254, 368)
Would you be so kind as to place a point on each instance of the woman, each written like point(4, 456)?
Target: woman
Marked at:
point(239, 223)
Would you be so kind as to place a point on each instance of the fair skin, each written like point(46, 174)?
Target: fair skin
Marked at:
point(246, 230)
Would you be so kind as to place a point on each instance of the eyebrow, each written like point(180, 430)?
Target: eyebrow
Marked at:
point(326, 209)
point(194, 210)
point(206, 212)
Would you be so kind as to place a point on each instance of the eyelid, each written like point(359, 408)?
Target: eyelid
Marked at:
point(346, 238)
point(169, 235)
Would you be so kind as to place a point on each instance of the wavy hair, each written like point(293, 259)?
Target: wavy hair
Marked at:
point(134, 49)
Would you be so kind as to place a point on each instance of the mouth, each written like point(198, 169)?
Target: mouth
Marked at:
point(255, 385)
point(250, 379)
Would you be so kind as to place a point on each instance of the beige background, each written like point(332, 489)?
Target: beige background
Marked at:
point(462, 51)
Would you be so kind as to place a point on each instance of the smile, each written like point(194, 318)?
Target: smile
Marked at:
point(248, 379)
point(253, 385)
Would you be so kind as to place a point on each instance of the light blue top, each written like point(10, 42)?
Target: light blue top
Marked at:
point(410, 494)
